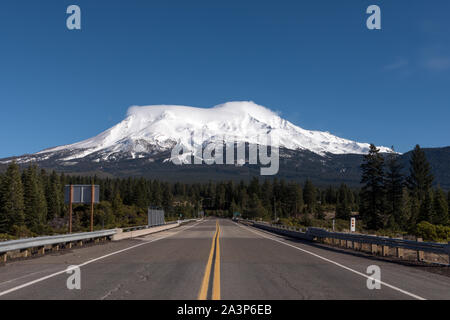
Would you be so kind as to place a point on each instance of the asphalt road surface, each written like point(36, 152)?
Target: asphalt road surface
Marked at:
point(214, 259)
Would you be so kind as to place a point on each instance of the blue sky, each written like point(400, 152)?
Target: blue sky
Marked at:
point(314, 61)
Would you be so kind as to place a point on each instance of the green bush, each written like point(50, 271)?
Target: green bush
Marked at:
point(443, 232)
point(21, 232)
point(430, 232)
point(6, 237)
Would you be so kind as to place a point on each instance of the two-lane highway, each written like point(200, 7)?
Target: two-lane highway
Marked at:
point(214, 259)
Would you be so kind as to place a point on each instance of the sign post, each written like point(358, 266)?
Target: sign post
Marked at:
point(352, 224)
point(92, 206)
point(80, 194)
point(70, 208)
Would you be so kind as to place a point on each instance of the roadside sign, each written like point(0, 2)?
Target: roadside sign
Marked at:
point(82, 193)
point(353, 224)
point(155, 217)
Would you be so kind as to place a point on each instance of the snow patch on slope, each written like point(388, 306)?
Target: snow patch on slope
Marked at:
point(148, 129)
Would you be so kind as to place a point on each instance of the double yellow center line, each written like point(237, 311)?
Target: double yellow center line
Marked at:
point(214, 254)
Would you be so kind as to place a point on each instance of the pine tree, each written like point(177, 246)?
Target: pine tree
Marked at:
point(141, 194)
point(448, 203)
point(167, 198)
point(234, 207)
point(373, 193)
point(1, 194)
point(343, 205)
point(419, 184)
point(408, 205)
point(426, 211)
point(394, 184)
point(55, 201)
point(441, 215)
point(11, 202)
point(330, 195)
point(117, 202)
point(42, 207)
point(267, 195)
point(256, 208)
point(421, 178)
point(254, 187)
point(243, 198)
point(156, 198)
point(295, 199)
point(220, 197)
point(309, 196)
point(35, 204)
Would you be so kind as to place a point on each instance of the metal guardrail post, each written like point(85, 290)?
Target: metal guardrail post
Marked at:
point(399, 252)
point(384, 251)
point(25, 252)
point(41, 250)
point(373, 248)
point(420, 254)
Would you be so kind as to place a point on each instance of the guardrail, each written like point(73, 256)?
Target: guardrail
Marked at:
point(355, 241)
point(439, 248)
point(25, 246)
point(29, 245)
point(146, 226)
point(283, 230)
point(156, 225)
point(187, 220)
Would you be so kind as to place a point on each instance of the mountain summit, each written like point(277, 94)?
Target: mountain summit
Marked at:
point(152, 129)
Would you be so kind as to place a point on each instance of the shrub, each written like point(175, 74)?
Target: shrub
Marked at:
point(430, 232)
point(21, 232)
point(6, 237)
point(443, 232)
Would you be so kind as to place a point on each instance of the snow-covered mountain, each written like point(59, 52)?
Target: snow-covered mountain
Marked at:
point(149, 130)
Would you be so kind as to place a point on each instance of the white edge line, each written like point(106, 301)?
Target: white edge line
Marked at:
point(88, 262)
point(337, 264)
